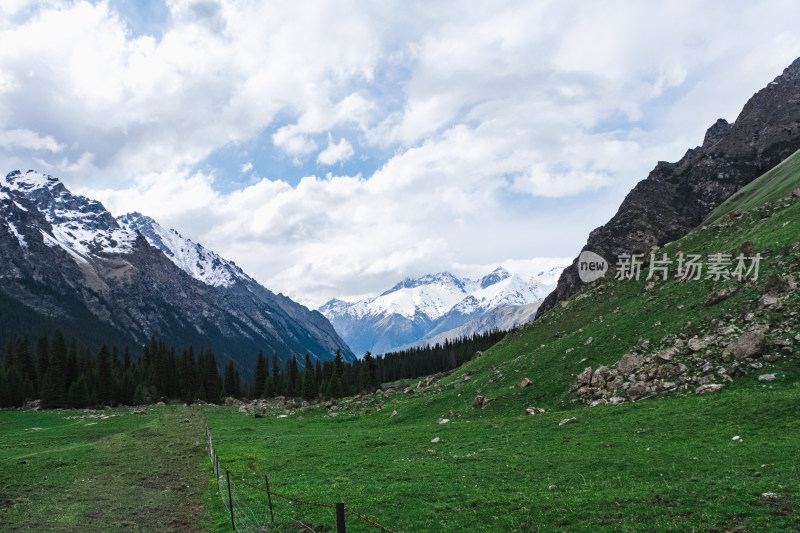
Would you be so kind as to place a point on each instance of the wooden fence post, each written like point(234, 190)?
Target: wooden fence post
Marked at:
point(230, 499)
point(269, 499)
point(340, 518)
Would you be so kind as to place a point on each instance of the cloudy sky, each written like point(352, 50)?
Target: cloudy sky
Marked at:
point(332, 148)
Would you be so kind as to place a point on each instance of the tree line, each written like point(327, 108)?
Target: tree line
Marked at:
point(66, 375)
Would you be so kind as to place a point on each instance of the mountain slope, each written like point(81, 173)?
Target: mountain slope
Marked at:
point(676, 197)
point(434, 306)
point(68, 261)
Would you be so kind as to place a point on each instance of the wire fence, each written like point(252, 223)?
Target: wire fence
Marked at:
point(250, 506)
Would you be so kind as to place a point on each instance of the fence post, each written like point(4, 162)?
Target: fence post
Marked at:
point(230, 499)
point(269, 499)
point(340, 518)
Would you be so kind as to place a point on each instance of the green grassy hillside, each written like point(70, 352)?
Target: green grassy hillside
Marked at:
point(673, 460)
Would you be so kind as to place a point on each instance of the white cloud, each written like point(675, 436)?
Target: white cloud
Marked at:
point(334, 153)
point(488, 124)
point(28, 139)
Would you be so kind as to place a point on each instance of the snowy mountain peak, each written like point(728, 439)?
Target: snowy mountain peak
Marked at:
point(417, 307)
point(442, 279)
point(79, 225)
point(497, 275)
point(193, 258)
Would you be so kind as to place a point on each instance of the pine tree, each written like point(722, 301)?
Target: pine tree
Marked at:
point(78, 394)
point(309, 380)
point(105, 381)
point(231, 385)
point(260, 375)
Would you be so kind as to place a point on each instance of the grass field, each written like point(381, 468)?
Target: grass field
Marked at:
point(664, 465)
point(104, 470)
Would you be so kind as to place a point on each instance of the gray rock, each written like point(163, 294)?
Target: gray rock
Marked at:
point(749, 345)
point(629, 363)
point(534, 410)
point(767, 377)
point(767, 300)
point(710, 387)
point(637, 390)
point(717, 296)
point(524, 382)
point(568, 421)
point(585, 377)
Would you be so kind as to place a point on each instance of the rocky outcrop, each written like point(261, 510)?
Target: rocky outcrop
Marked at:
point(675, 197)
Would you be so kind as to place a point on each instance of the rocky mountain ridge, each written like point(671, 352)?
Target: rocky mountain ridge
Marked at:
point(675, 197)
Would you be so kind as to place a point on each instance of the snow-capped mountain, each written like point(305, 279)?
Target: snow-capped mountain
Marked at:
point(422, 308)
point(67, 262)
point(193, 258)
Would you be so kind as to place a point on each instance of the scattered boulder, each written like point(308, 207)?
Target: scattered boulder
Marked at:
point(585, 377)
point(524, 382)
point(443, 421)
point(749, 345)
point(481, 401)
point(588, 341)
point(139, 410)
point(665, 356)
point(717, 296)
point(696, 344)
point(534, 410)
point(772, 495)
point(629, 363)
point(566, 421)
point(229, 401)
point(33, 405)
point(435, 440)
point(709, 387)
point(477, 354)
point(637, 390)
point(767, 300)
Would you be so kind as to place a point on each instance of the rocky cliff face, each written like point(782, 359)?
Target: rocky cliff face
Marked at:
point(676, 197)
point(65, 260)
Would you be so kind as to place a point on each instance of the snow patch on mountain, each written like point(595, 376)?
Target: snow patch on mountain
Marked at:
point(193, 258)
point(430, 297)
point(418, 308)
point(79, 225)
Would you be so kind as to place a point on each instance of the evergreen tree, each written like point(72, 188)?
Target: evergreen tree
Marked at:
point(78, 394)
point(105, 381)
point(368, 374)
point(42, 357)
point(292, 377)
point(231, 381)
point(260, 377)
point(309, 380)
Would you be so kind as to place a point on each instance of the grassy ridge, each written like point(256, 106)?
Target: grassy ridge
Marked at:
point(103, 471)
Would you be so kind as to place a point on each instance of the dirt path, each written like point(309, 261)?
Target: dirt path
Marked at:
point(133, 473)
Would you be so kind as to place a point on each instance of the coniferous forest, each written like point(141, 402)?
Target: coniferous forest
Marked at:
point(65, 374)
